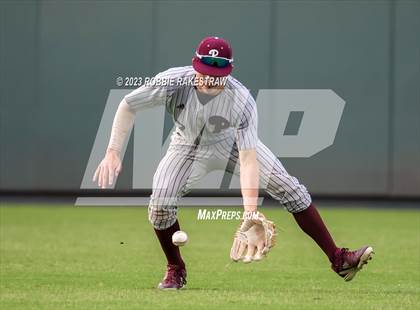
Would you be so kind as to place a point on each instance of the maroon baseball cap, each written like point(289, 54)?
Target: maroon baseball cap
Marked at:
point(213, 57)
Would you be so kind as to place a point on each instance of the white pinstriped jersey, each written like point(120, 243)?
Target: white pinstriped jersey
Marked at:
point(200, 119)
point(206, 129)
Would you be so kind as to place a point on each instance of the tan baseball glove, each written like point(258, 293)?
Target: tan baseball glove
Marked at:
point(253, 239)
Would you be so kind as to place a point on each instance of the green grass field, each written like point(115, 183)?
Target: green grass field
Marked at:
point(108, 258)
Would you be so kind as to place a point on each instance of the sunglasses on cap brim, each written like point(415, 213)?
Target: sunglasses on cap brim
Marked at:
point(219, 62)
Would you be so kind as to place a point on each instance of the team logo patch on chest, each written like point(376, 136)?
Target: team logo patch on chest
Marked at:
point(217, 123)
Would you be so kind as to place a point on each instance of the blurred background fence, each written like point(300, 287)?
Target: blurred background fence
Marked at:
point(59, 60)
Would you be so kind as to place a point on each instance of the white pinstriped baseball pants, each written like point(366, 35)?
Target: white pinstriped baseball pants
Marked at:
point(183, 166)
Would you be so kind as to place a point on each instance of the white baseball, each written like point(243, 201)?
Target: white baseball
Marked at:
point(179, 238)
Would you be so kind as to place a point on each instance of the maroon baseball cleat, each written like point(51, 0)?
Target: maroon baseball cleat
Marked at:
point(175, 278)
point(348, 263)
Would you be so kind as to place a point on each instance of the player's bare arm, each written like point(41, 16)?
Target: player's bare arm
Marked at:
point(110, 167)
point(256, 235)
point(249, 177)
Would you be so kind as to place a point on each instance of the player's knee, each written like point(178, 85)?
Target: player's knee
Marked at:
point(294, 198)
point(297, 201)
point(162, 217)
point(297, 206)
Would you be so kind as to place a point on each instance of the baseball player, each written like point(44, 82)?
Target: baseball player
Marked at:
point(215, 120)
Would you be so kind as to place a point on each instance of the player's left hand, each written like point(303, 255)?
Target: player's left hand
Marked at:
point(253, 239)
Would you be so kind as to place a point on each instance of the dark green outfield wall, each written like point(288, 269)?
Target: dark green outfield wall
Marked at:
point(59, 59)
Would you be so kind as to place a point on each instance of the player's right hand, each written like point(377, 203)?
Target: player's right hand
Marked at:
point(108, 169)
